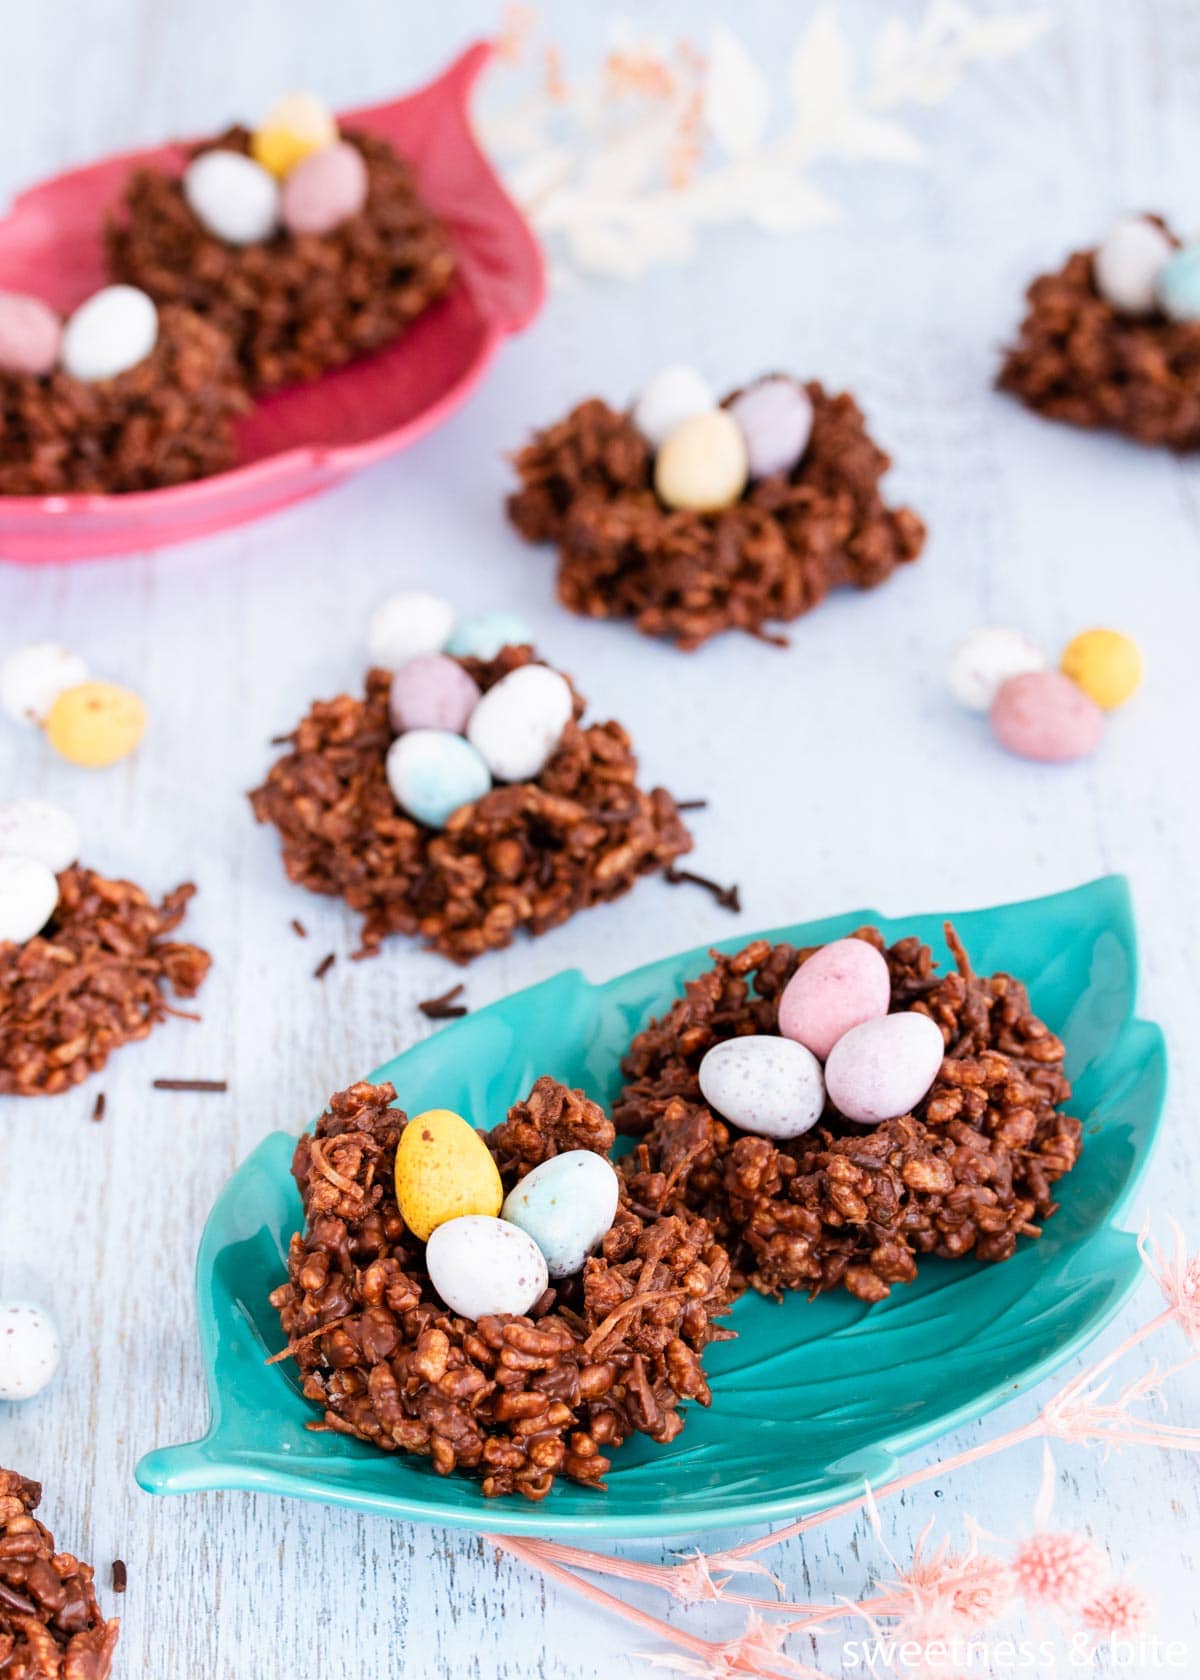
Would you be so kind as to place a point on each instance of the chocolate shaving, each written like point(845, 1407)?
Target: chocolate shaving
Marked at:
point(444, 1008)
point(323, 967)
point(99, 1106)
point(729, 898)
point(691, 804)
point(298, 928)
point(587, 486)
point(120, 1575)
point(207, 1085)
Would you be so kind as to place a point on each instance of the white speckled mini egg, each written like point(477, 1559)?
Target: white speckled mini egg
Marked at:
point(519, 722)
point(33, 677)
point(480, 1266)
point(432, 772)
point(29, 1350)
point(406, 624)
point(767, 1085)
point(1128, 263)
point(883, 1068)
point(114, 330)
point(983, 662)
point(566, 1205)
point(842, 984)
point(675, 394)
point(37, 828)
point(28, 896)
point(235, 198)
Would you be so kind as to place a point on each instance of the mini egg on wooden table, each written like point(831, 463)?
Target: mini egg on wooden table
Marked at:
point(443, 1171)
point(29, 1350)
point(1044, 715)
point(566, 1204)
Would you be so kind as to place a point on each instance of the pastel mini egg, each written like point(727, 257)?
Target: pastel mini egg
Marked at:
point(443, 1170)
point(987, 658)
point(28, 896)
point(1106, 665)
point(1179, 285)
point(235, 198)
point(767, 1085)
point(324, 190)
point(882, 1068)
point(1046, 716)
point(30, 335)
point(775, 417)
point(566, 1205)
point(33, 677)
point(702, 465)
point(37, 828)
point(95, 724)
point(406, 624)
point(113, 331)
point(843, 984)
point(293, 129)
point(482, 636)
point(432, 772)
point(29, 1350)
point(1128, 263)
point(432, 692)
point(675, 394)
point(482, 1266)
point(519, 722)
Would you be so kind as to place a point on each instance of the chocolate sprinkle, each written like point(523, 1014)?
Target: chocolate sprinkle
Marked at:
point(120, 1575)
point(323, 967)
point(298, 928)
point(729, 898)
point(99, 1106)
point(191, 1085)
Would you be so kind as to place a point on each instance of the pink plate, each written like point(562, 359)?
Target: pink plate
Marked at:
point(303, 440)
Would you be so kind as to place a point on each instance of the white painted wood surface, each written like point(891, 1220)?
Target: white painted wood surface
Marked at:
point(840, 773)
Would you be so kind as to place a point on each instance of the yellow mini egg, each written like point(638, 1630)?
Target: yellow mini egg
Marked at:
point(95, 724)
point(702, 464)
point(443, 1171)
point(295, 127)
point(1106, 665)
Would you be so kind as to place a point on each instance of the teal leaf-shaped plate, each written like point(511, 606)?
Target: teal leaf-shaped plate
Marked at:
point(812, 1397)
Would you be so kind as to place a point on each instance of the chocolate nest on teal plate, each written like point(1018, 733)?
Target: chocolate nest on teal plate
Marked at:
point(815, 1394)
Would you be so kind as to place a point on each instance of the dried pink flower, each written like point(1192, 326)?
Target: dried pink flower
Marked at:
point(1178, 1277)
point(1057, 1570)
point(1118, 1611)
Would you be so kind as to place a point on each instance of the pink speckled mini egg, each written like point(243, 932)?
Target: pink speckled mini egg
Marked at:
point(30, 335)
point(432, 692)
point(1044, 715)
point(839, 986)
point(883, 1068)
point(324, 190)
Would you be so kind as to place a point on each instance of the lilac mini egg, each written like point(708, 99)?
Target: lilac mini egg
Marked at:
point(30, 335)
point(883, 1068)
point(775, 416)
point(432, 692)
point(1044, 715)
point(838, 987)
point(324, 190)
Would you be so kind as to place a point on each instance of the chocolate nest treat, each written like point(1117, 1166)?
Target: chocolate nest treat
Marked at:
point(1112, 340)
point(526, 853)
point(966, 1169)
point(711, 533)
point(165, 420)
point(50, 1623)
point(92, 979)
point(295, 304)
point(513, 1399)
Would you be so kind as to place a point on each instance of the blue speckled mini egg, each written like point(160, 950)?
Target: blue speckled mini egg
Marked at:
point(482, 636)
point(431, 773)
point(1179, 285)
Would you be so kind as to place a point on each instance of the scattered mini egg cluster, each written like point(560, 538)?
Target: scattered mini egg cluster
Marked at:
point(38, 840)
point(1037, 712)
point(705, 453)
point(1140, 269)
point(486, 1252)
point(89, 723)
point(452, 741)
point(299, 177)
point(114, 330)
point(834, 1010)
point(29, 1350)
